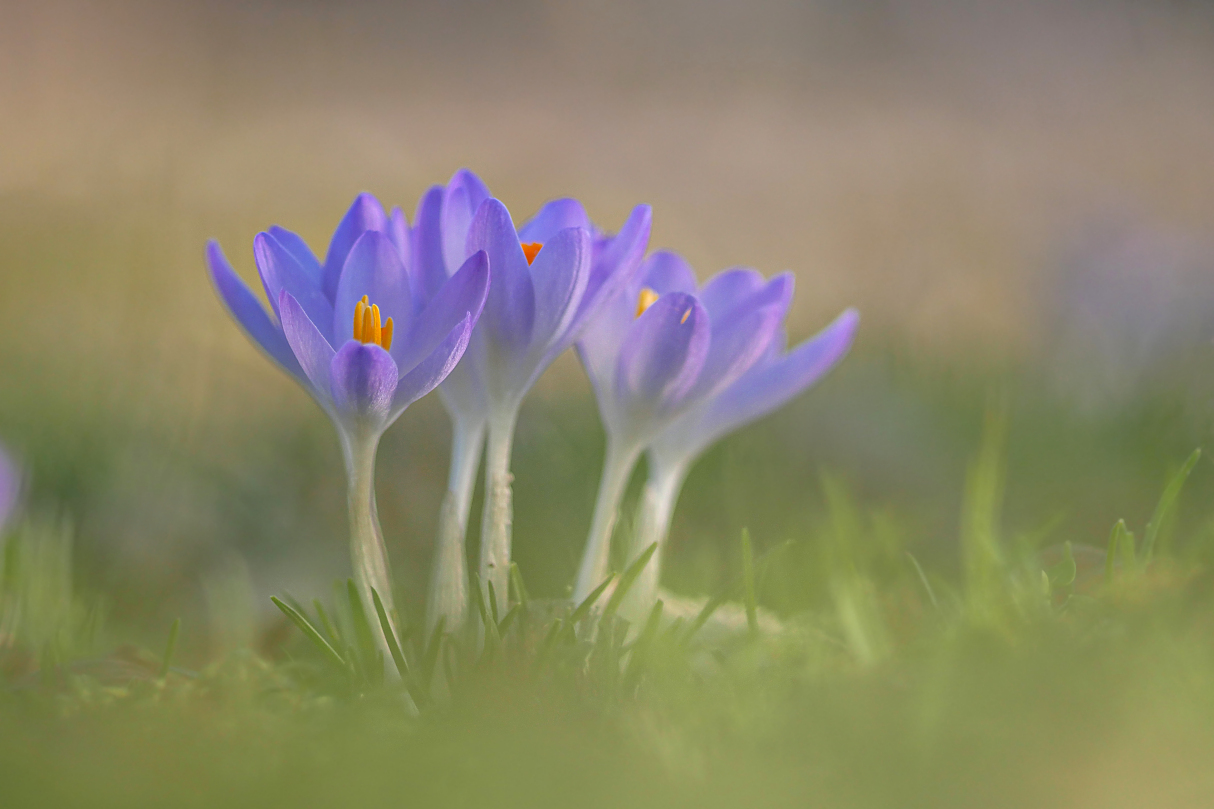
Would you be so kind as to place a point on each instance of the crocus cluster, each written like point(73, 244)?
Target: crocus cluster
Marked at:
point(465, 301)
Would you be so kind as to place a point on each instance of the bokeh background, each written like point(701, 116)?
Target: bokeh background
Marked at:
point(1019, 197)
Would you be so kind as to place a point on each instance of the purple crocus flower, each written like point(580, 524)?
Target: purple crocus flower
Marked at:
point(357, 335)
point(778, 376)
point(659, 352)
point(549, 278)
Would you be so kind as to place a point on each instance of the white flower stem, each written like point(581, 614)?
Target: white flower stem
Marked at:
point(499, 508)
point(367, 550)
point(449, 582)
point(654, 512)
point(617, 467)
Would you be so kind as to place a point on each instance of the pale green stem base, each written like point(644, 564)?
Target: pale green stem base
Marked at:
point(368, 553)
point(449, 581)
point(654, 512)
point(499, 508)
point(617, 467)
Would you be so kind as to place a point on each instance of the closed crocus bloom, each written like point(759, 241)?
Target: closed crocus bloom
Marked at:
point(549, 277)
point(356, 335)
point(777, 377)
point(657, 353)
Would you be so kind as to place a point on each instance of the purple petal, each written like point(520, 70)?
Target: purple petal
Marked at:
point(616, 263)
point(298, 248)
point(244, 307)
point(725, 290)
point(363, 379)
point(559, 274)
point(665, 271)
point(280, 272)
point(764, 389)
point(510, 309)
point(365, 214)
point(463, 296)
point(401, 236)
point(373, 268)
point(663, 353)
point(428, 271)
point(310, 347)
point(737, 344)
point(432, 370)
point(554, 217)
point(462, 199)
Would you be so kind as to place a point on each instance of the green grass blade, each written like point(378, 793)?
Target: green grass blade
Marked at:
point(430, 659)
point(629, 578)
point(583, 609)
point(503, 626)
point(927, 585)
point(709, 608)
point(492, 601)
point(520, 589)
point(1110, 555)
point(1167, 504)
point(385, 625)
point(310, 631)
point(327, 625)
point(748, 583)
point(171, 647)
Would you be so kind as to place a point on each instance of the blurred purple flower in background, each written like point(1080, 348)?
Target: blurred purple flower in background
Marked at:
point(549, 277)
point(10, 488)
point(355, 332)
point(655, 354)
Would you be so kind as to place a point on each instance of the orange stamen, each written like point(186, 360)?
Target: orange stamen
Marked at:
point(531, 250)
point(367, 325)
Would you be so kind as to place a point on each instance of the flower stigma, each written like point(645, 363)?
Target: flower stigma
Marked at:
point(531, 250)
point(646, 299)
point(367, 326)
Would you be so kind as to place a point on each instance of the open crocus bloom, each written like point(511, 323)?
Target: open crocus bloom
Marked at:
point(657, 353)
point(549, 277)
point(356, 335)
point(778, 376)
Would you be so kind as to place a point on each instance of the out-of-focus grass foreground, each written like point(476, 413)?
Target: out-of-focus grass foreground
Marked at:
point(1017, 197)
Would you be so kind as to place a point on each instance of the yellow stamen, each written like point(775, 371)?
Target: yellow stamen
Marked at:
point(647, 298)
point(367, 325)
point(386, 337)
point(531, 250)
point(686, 315)
point(359, 308)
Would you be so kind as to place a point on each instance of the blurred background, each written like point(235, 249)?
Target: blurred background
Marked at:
point(1019, 197)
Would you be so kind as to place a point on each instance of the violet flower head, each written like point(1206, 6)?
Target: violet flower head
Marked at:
point(659, 351)
point(549, 277)
point(356, 333)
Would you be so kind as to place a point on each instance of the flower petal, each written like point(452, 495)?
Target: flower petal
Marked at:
point(462, 199)
point(365, 214)
point(373, 268)
point(309, 346)
point(662, 354)
point(246, 310)
point(510, 309)
point(554, 217)
point(614, 267)
point(461, 297)
point(762, 390)
point(298, 248)
point(727, 289)
point(559, 274)
point(432, 370)
point(401, 236)
point(738, 342)
point(363, 379)
point(428, 271)
point(280, 271)
point(665, 271)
